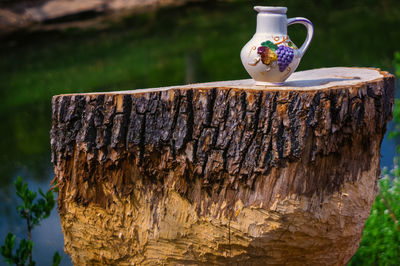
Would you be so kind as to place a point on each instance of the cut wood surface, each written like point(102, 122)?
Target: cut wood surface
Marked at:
point(222, 172)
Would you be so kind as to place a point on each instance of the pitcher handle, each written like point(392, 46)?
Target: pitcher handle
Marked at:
point(310, 31)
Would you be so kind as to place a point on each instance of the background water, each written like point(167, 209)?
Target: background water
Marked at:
point(194, 43)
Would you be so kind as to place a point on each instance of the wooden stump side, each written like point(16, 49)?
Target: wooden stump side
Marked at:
point(219, 174)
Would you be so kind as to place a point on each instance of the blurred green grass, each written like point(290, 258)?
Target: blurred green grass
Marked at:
point(149, 50)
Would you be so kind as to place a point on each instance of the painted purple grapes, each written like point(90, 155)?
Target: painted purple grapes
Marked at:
point(285, 57)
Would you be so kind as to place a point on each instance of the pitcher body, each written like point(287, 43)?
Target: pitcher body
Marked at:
point(270, 57)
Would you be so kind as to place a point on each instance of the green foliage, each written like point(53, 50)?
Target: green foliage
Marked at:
point(381, 236)
point(56, 259)
point(396, 112)
point(396, 63)
point(396, 118)
point(33, 212)
point(22, 253)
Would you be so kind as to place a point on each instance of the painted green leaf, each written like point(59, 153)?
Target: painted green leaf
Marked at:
point(270, 45)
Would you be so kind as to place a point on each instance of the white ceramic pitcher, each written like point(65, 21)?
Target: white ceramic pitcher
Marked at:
point(270, 57)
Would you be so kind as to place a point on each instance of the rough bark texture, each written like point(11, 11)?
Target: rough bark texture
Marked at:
point(222, 172)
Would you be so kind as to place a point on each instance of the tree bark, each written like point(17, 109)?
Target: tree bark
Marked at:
point(223, 172)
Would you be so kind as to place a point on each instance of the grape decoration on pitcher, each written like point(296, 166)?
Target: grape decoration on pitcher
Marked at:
point(271, 53)
point(270, 57)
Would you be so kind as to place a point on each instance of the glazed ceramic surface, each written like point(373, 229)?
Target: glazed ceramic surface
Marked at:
point(270, 56)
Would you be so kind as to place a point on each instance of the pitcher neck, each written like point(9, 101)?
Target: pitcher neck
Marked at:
point(271, 23)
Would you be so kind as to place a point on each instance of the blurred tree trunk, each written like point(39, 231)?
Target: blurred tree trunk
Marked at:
point(192, 60)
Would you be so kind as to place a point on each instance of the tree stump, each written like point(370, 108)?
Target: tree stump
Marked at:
point(223, 172)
